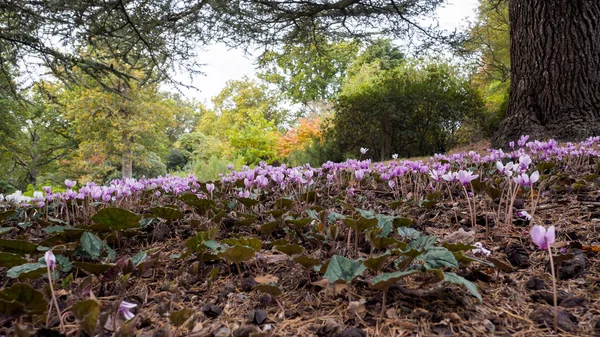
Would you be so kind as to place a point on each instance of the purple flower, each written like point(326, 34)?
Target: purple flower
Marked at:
point(543, 238)
point(50, 259)
point(450, 176)
point(350, 191)
point(125, 309)
point(524, 215)
point(210, 187)
point(465, 177)
point(525, 180)
point(70, 183)
point(359, 174)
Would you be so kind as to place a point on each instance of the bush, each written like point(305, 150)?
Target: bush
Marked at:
point(208, 170)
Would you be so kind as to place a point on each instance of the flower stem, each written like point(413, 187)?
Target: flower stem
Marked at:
point(60, 319)
point(554, 290)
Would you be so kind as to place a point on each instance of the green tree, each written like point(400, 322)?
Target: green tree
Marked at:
point(246, 120)
point(123, 125)
point(38, 136)
point(307, 73)
point(415, 109)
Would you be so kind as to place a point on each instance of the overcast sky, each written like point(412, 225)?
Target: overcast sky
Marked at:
point(223, 64)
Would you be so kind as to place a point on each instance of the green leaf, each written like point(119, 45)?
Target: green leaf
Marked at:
point(342, 269)
point(4, 230)
point(361, 224)
point(270, 288)
point(248, 202)
point(403, 222)
point(376, 263)
point(18, 246)
point(117, 218)
point(381, 242)
point(386, 223)
point(237, 254)
point(55, 229)
point(7, 214)
point(305, 261)
point(438, 258)
point(167, 213)
point(301, 222)
point(8, 260)
point(457, 247)
point(64, 263)
point(310, 196)
point(91, 244)
point(290, 250)
point(332, 217)
point(385, 281)
point(253, 243)
point(93, 268)
point(459, 280)
point(27, 270)
point(24, 298)
point(365, 213)
point(139, 258)
point(268, 228)
point(422, 243)
point(87, 313)
point(284, 203)
point(177, 318)
point(196, 243)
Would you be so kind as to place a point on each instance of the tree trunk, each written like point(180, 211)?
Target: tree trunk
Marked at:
point(127, 164)
point(555, 71)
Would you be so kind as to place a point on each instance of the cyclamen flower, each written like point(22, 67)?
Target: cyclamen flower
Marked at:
point(70, 183)
point(450, 176)
point(210, 187)
point(359, 174)
point(465, 177)
point(480, 249)
point(505, 169)
point(543, 238)
point(363, 150)
point(525, 180)
point(524, 215)
point(395, 156)
point(50, 259)
point(125, 309)
point(391, 183)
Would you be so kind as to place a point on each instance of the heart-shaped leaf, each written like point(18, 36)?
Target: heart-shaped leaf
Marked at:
point(23, 298)
point(237, 254)
point(196, 243)
point(27, 270)
point(91, 244)
point(342, 269)
point(117, 218)
point(93, 268)
point(268, 228)
point(87, 313)
point(18, 246)
point(8, 260)
point(253, 243)
point(376, 263)
point(459, 280)
point(438, 258)
point(270, 288)
point(177, 318)
point(248, 202)
point(385, 223)
point(201, 205)
point(290, 250)
point(361, 224)
point(385, 281)
point(306, 262)
point(167, 213)
point(409, 233)
point(4, 230)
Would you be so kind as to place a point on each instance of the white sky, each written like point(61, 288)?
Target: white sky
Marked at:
point(223, 64)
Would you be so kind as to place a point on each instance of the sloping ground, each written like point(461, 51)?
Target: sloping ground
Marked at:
point(253, 257)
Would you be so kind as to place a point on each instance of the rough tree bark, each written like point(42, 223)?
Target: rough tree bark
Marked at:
point(555, 71)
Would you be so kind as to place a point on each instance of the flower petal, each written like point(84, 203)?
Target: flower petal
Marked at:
point(550, 235)
point(538, 236)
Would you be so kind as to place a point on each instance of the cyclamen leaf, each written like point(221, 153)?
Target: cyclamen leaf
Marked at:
point(91, 244)
point(23, 298)
point(459, 280)
point(117, 218)
point(342, 269)
point(177, 318)
point(8, 260)
point(438, 258)
point(385, 281)
point(18, 246)
point(87, 312)
point(27, 270)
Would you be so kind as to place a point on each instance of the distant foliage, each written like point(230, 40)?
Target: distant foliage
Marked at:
point(412, 110)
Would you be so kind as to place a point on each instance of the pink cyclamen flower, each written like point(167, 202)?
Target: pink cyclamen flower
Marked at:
point(465, 177)
point(210, 187)
point(50, 259)
point(359, 174)
point(543, 238)
point(525, 180)
point(70, 183)
point(125, 309)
